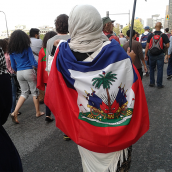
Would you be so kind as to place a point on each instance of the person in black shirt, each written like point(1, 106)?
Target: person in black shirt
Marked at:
point(156, 59)
point(9, 157)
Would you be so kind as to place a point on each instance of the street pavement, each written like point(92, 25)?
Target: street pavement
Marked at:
point(42, 148)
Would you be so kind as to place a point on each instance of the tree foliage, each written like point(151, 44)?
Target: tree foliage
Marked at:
point(104, 80)
point(124, 30)
point(116, 29)
point(138, 27)
point(41, 36)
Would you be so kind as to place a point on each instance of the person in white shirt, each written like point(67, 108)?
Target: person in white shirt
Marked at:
point(122, 39)
point(36, 43)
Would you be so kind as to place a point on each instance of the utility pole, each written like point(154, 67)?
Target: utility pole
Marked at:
point(129, 18)
point(6, 23)
point(132, 24)
point(107, 13)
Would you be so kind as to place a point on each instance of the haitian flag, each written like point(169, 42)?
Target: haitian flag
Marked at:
point(100, 105)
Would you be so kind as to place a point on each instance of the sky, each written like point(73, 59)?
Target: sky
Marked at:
point(36, 13)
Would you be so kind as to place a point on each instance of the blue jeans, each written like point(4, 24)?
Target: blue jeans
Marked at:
point(159, 61)
point(169, 68)
point(48, 112)
point(14, 91)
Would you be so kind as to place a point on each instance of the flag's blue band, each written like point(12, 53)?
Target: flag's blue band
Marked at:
point(109, 54)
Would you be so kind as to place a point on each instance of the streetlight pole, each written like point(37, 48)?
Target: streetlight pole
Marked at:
point(129, 18)
point(6, 23)
point(132, 24)
point(107, 15)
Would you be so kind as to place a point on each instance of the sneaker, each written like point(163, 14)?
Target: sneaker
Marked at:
point(66, 138)
point(162, 86)
point(151, 85)
point(169, 76)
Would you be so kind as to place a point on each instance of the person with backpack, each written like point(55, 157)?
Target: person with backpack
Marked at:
point(136, 36)
point(156, 43)
point(108, 29)
point(143, 40)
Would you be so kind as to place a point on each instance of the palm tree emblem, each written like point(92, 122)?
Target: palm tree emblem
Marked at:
point(105, 80)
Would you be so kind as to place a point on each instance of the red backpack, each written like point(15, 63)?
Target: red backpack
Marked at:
point(156, 44)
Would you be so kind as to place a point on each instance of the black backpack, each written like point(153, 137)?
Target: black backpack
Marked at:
point(109, 35)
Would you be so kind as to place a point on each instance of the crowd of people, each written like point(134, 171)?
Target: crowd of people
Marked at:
point(86, 43)
point(151, 51)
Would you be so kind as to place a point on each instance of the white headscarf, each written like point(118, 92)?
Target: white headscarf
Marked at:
point(85, 29)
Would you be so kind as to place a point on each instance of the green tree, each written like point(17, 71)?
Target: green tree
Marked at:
point(116, 30)
point(105, 80)
point(138, 27)
point(41, 36)
point(124, 30)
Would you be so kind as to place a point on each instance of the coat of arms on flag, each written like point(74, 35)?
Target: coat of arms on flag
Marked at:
point(106, 109)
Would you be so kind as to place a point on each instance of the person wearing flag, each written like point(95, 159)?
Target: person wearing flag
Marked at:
point(42, 75)
point(96, 94)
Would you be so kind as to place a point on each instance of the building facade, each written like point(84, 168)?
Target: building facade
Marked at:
point(170, 15)
point(149, 22)
point(166, 13)
point(43, 30)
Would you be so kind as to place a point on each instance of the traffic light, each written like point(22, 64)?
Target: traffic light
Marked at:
point(167, 17)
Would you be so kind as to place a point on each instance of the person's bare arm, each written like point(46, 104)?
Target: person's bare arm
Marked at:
point(146, 51)
point(131, 54)
point(56, 42)
point(167, 45)
point(144, 64)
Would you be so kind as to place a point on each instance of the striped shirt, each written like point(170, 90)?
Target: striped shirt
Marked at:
point(3, 68)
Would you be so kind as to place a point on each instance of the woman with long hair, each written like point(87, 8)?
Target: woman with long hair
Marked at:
point(24, 63)
point(42, 75)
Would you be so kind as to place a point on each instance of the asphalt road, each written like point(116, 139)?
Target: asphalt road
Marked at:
point(42, 148)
